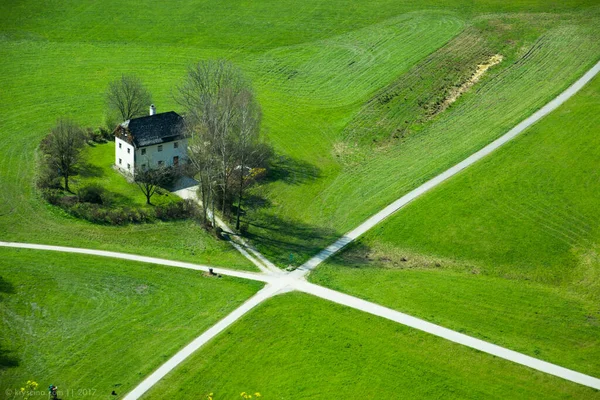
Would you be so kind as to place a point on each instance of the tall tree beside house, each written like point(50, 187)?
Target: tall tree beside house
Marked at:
point(62, 148)
point(210, 96)
point(249, 151)
point(127, 98)
point(205, 166)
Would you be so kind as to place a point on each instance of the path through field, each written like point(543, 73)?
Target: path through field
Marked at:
point(278, 282)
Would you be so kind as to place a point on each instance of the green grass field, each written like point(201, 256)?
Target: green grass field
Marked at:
point(297, 346)
point(83, 322)
point(354, 158)
point(98, 160)
point(350, 93)
point(507, 251)
point(316, 67)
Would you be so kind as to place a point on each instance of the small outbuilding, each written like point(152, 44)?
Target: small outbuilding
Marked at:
point(153, 141)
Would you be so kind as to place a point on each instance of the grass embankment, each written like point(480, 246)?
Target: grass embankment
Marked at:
point(360, 154)
point(507, 251)
point(92, 323)
point(297, 346)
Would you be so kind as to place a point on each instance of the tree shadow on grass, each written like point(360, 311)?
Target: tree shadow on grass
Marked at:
point(7, 359)
point(292, 171)
point(254, 202)
point(283, 240)
point(90, 171)
point(118, 199)
point(286, 241)
point(6, 286)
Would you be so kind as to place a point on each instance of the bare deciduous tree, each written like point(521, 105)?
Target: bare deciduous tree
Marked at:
point(127, 97)
point(246, 142)
point(205, 167)
point(62, 148)
point(223, 125)
point(149, 180)
point(208, 95)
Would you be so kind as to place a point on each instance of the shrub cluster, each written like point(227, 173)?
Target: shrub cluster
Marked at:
point(99, 135)
point(92, 203)
point(110, 216)
point(180, 210)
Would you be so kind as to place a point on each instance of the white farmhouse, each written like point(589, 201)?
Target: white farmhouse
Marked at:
point(153, 141)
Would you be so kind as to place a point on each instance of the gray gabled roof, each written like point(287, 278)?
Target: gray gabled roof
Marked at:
point(155, 129)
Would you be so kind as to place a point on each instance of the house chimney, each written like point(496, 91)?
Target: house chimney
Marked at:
point(152, 109)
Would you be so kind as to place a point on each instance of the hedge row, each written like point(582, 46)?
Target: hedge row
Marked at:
point(101, 214)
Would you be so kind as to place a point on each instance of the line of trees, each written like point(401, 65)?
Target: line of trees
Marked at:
point(222, 122)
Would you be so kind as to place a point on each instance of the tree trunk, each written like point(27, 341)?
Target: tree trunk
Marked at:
point(239, 207)
point(213, 211)
point(224, 202)
point(203, 199)
point(66, 176)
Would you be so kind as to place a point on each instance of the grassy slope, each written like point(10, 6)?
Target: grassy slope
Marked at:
point(299, 347)
point(84, 322)
point(98, 169)
point(515, 240)
point(347, 180)
point(79, 62)
point(313, 64)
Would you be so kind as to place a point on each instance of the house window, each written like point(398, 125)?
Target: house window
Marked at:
point(161, 163)
point(119, 161)
point(176, 160)
point(129, 150)
point(160, 148)
point(143, 166)
point(120, 145)
point(128, 166)
point(143, 151)
point(175, 145)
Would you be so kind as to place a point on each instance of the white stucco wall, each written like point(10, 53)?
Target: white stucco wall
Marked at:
point(152, 156)
point(131, 158)
point(125, 153)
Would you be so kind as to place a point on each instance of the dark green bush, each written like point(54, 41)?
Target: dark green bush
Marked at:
point(52, 196)
point(94, 194)
point(179, 210)
point(106, 134)
point(48, 178)
point(99, 135)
